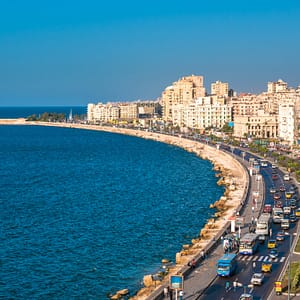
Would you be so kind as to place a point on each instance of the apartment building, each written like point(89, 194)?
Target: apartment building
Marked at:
point(182, 92)
point(128, 111)
point(277, 87)
point(205, 112)
point(219, 88)
point(97, 113)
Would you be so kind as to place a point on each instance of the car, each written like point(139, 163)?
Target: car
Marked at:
point(257, 278)
point(246, 297)
point(272, 244)
point(287, 210)
point(280, 236)
point(267, 208)
point(276, 196)
point(273, 253)
point(274, 176)
point(293, 218)
point(261, 238)
point(285, 224)
point(272, 189)
point(274, 166)
point(278, 204)
point(293, 203)
point(286, 177)
point(282, 188)
point(288, 195)
point(266, 267)
point(297, 212)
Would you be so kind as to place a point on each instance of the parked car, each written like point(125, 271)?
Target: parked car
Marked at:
point(272, 189)
point(257, 279)
point(297, 212)
point(293, 218)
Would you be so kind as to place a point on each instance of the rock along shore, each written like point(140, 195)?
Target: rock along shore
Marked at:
point(232, 174)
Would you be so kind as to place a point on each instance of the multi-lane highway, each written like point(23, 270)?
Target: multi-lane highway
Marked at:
point(247, 265)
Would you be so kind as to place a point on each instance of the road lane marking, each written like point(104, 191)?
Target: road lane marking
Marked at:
point(261, 258)
point(282, 259)
point(255, 258)
point(266, 258)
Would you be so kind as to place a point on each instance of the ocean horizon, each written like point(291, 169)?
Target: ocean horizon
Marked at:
point(13, 112)
point(87, 213)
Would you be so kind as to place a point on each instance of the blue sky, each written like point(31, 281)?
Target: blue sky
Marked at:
point(76, 52)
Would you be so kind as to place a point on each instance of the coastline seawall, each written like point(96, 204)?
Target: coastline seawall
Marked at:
point(232, 175)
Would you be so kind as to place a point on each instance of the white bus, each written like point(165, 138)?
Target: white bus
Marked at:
point(248, 244)
point(277, 215)
point(263, 224)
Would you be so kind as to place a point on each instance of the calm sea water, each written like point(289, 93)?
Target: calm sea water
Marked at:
point(87, 213)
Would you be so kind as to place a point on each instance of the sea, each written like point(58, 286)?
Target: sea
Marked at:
point(87, 213)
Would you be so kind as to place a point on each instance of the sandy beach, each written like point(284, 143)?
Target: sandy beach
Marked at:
point(232, 174)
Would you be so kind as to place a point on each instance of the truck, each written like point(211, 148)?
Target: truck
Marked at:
point(263, 224)
point(227, 265)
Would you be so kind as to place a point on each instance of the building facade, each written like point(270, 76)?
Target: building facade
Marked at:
point(277, 87)
point(262, 125)
point(219, 88)
point(182, 92)
point(205, 112)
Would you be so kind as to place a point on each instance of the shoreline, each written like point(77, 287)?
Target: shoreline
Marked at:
point(233, 177)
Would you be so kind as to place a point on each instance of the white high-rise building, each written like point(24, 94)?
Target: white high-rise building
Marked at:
point(287, 128)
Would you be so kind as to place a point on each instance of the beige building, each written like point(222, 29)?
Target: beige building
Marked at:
point(219, 88)
point(277, 87)
point(182, 92)
point(205, 112)
point(262, 125)
point(98, 113)
point(128, 111)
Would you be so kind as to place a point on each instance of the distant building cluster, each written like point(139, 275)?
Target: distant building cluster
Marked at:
point(186, 105)
point(123, 112)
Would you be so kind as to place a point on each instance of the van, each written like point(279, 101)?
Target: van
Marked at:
point(285, 224)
